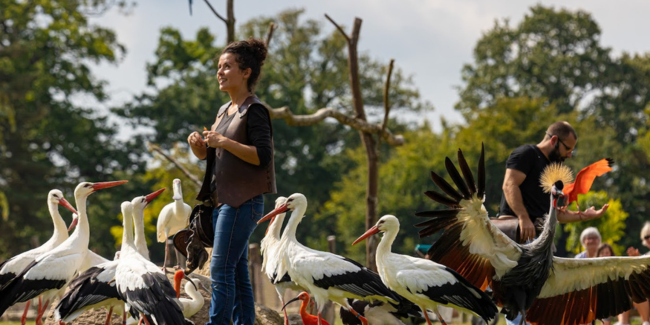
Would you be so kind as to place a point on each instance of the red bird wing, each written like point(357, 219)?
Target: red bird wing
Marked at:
point(578, 291)
point(586, 177)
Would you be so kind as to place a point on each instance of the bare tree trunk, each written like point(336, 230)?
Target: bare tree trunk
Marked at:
point(230, 22)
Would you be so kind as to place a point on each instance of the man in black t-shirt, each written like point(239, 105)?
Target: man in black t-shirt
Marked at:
point(523, 196)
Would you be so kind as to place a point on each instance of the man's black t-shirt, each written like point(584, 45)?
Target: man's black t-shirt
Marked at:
point(529, 160)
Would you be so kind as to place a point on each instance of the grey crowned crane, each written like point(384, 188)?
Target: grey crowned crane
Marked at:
point(325, 275)
point(424, 282)
point(527, 278)
point(95, 287)
point(48, 274)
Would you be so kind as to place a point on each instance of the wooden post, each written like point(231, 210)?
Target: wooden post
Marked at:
point(254, 271)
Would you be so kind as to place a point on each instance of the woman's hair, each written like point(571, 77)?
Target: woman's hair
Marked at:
point(645, 230)
point(603, 247)
point(589, 231)
point(250, 53)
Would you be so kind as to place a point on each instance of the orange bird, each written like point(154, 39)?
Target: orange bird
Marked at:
point(585, 179)
point(307, 318)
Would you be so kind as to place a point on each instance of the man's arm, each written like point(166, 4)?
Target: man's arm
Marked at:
point(566, 216)
point(511, 182)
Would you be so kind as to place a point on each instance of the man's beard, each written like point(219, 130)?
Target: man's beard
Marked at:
point(555, 156)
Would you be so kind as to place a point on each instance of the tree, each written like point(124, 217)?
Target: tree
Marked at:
point(306, 70)
point(556, 55)
point(47, 139)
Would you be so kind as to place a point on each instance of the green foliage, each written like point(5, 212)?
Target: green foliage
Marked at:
point(47, 140)
point(611, 225)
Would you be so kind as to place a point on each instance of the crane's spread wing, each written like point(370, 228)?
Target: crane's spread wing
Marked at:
point(471, 245)
point(580, 290)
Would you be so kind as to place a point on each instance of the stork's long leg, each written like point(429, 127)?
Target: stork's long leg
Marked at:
point(108, 316)
point(426, 316)
point(39, 320)
point(164, 266)
point(363, 320)
point(523, 317)
point(24, 318)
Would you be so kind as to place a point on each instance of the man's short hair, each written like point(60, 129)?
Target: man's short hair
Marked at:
point(562, 129)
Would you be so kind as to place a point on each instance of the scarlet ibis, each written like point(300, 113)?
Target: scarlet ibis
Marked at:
point(585, 178)
point(195, 303)
point(51, 271)
point(325, 275)
point(307, 318)
point(528, 279)
point(173, 217)
point(424, 282)
point(95, 287)
point(13, 266)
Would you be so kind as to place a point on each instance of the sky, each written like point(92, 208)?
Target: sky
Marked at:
point(430, 40)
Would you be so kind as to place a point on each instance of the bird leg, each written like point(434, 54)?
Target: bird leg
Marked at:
point(39, 320)
point(426, 315)
point(523, 317)
point(363, 320)
point(164, 267)
point(442, 320)
point(146, 321)
point(319, 318)
point(108, 316)
point(286, 317)
point(24, 318)
point(124, 317)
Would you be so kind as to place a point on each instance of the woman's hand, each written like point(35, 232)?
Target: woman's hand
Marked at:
point(195, 140)
point(197, 145)
point(215, 139)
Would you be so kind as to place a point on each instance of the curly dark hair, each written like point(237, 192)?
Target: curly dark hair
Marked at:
point(603, 247)
point(251, 53)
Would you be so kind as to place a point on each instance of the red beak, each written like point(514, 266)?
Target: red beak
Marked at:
point(153, 195)
point(270, 223)
point(178, 277)
point(67, 205)
point(272, 214)
point(368, 233)
point(73, 223)
point(103, 185)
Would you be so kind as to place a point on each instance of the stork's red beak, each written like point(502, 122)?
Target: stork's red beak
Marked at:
point(272, 214)
point(368, 233)
point(153, 195)
point(103, 185)
point(74, 222)
point(270, 223)
point(67, 205)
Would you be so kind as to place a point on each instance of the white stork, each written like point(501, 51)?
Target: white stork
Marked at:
point(143, 286)
point(424, 282)
point(195, 303)
point(173, 217)
point(528, 278)
point(13, 266)
point(269, 247)
point(327, 276)
point(95, 287)
point(51, 271)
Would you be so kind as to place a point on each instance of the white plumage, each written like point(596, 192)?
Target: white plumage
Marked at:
point(327, 276)
point(173, 217)
point(424, 282)
point(51, 271)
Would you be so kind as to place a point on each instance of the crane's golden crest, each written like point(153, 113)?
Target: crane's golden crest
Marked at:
point(553, 173)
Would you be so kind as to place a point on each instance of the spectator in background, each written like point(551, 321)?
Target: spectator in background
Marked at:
point(644, 307)
point(590, 240)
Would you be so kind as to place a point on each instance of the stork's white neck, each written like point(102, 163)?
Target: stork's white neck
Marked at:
point(81, 234)
point(179, 207)
point(385, 246)
point(140, 240)
point(296, 216)
point(60, 229)
point(127, 234)
point(276, 226)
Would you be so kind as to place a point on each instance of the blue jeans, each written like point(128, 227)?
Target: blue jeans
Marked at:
point(232, 293)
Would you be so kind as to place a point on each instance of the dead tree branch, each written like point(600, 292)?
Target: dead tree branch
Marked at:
point(178, 165)
point(215, 12)
point(386, 98)
point(323, 113)
point(269, 34)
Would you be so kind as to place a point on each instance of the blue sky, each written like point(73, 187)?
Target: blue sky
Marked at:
point(429, 39)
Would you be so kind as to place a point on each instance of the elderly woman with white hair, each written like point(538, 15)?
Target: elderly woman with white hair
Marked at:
point(590, 240)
